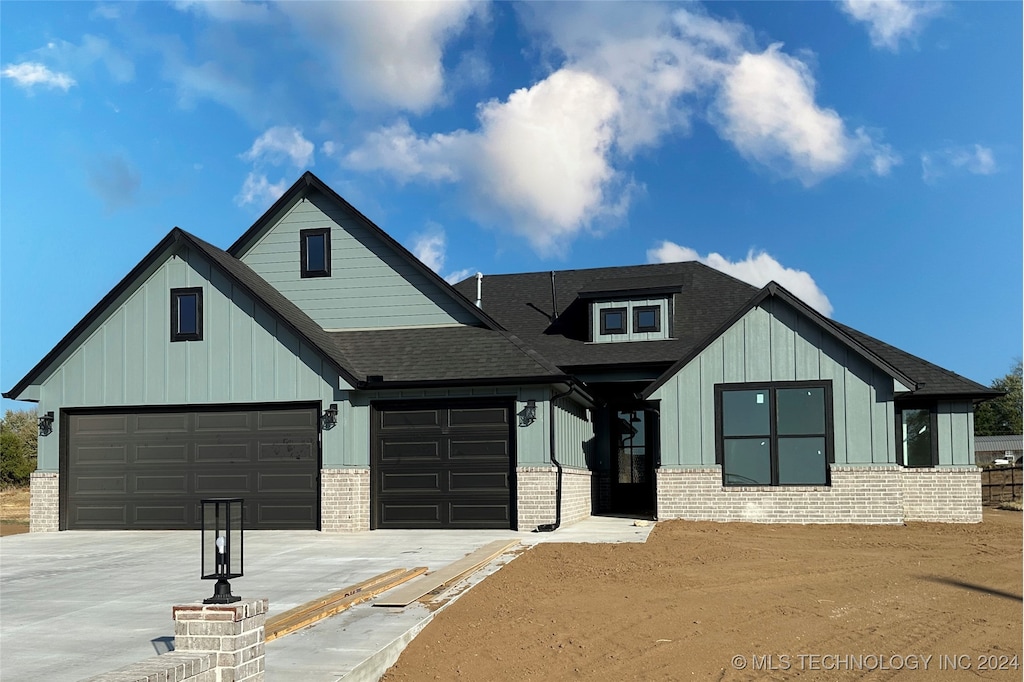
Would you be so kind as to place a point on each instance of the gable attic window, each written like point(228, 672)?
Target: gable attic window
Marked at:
point(315, 248)
point(613, 321)
point(187, 314)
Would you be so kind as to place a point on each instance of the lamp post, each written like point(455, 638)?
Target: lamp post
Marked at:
point(221, 546)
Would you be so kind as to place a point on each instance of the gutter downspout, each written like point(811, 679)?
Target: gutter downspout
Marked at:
point(548, 527)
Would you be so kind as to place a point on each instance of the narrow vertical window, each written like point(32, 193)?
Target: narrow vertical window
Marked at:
point(315, 251)
point(919, 447)
point(187, 314)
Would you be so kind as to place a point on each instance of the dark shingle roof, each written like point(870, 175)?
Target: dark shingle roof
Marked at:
point(521, 303)
point(932, 380)
point(441, 354)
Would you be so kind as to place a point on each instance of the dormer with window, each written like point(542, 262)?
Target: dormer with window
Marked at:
point(618, 315)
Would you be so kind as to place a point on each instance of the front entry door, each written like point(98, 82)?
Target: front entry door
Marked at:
point(633, 453)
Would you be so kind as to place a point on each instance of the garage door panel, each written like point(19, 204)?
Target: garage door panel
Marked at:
point(162, 454)
point(289, 420)
point(480, 449)
point(392, 450)
point(97, 424)
point(451, 470)
point(161, 423)
point(284, 483)
point(494, 417)
point(103, 454)
point(141, 470)
point(478, 480)
point(161, 485)
point(278, 451)
point(222, 453)
point(165, 516)
point(398, 419)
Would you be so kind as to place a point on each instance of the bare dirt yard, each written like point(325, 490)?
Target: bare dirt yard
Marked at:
point(743, 602)
point(13, 511)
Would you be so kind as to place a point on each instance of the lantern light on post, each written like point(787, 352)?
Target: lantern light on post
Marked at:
point(221, 546)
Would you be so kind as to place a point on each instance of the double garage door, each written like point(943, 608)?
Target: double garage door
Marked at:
point(148, 469)
point(441, 465)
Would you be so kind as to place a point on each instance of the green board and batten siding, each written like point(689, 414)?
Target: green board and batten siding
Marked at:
point(773, 342)
point(380, 289)
point(574, 434)
point(246, 355)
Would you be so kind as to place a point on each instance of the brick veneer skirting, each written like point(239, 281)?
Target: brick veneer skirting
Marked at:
point(344, 500)
point(44, 502)
point(535, 495)
point(868, 494)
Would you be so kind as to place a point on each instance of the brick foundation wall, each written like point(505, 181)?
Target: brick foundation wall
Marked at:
point(948, 495)
point(174, 665)
point(536, 493)
point(344, 500)
point(44, 502)
point(875, 494)
point(235, 633)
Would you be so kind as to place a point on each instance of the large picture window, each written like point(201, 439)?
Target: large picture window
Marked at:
point(774, 433)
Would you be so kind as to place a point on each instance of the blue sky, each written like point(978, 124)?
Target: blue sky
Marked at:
point(866, 155)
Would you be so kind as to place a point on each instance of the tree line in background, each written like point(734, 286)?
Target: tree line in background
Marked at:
point(1002, 416)
point(19, 430)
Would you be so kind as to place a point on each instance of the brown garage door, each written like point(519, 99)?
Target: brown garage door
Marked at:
point(442, 465)
point(148, 469)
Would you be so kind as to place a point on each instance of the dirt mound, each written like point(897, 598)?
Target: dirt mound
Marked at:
point(743, 601)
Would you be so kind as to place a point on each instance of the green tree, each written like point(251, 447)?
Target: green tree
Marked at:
point(19, 432)
point(1002, 416)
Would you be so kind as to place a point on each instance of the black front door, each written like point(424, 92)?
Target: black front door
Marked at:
point(633, 451)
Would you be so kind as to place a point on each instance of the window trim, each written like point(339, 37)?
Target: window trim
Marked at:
point(304, 235)
point(605, 331)
point(933, 425)
point(176, 296)
point(656, 309)
point(773, 436)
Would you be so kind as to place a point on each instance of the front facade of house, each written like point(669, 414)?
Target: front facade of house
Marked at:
point(322, 373)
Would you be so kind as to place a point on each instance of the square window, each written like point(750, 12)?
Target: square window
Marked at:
point(315, 248)
point(647, 319)
point(187, 314)
point(613, 321)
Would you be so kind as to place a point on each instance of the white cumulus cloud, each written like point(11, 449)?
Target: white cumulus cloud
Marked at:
point(31, 74)
point(757, 269)
point(258, 191)
point(890, 21)
point(955, 160)
point(281, 144)
point(431, 246)
point(383, 54)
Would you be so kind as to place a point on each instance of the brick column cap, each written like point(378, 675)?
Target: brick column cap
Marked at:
point(239, 610)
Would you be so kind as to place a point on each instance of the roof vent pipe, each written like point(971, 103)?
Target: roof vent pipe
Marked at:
point(479, 288)
point(554, 301)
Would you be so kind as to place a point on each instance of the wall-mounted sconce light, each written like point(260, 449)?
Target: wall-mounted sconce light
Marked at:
point(221, 546)
point(528, 414)
point(46, 423)
point(329, 419)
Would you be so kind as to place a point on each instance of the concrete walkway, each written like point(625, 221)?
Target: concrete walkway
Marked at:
point(77, 604)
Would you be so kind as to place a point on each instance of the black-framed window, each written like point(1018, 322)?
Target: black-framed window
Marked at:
point(315, 248)
point(915, 438)
point(613, 321)
point(774, 434)
point(187, 314)
point(647, 318)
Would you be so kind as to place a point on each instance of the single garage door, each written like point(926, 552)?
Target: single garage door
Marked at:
point(148, 469)
point(442, 465)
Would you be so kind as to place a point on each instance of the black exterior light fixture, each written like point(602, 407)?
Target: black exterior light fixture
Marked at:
point(329, 419)
point(46, 423)
point(222, 546)
point(528, 414)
